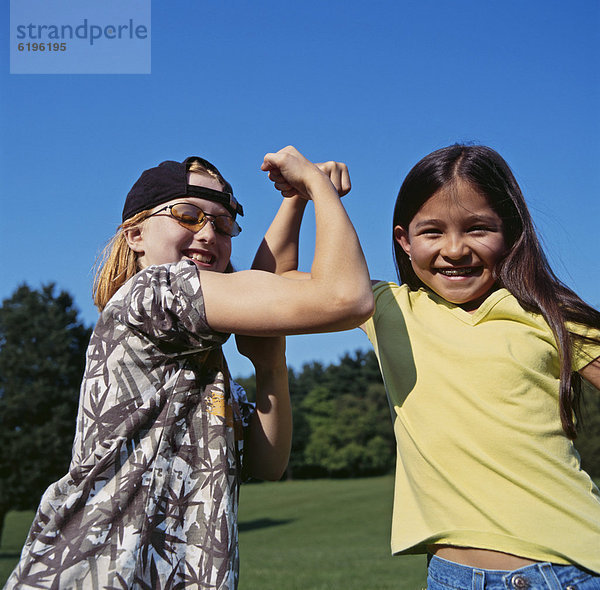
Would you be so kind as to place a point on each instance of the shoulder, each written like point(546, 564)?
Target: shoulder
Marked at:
point(390, 300)
point(584, 331)
point(381, 288)
point(168, 277)
point(503, 305)
point(155, 283)
point(585, 340)
point(165, 302)
point(386, 293)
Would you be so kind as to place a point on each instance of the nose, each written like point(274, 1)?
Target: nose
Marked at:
point(208, 232)
point(454, 247)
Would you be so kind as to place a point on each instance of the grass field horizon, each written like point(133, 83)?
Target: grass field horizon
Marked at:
point(300, 535)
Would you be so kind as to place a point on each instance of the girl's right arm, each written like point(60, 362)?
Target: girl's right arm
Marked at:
point(336, 296)
point(278, 251)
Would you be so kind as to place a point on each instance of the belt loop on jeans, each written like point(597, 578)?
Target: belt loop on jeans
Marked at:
point(478, 580)
point(550, 577)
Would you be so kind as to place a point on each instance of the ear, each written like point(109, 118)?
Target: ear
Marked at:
point(401, 237)
point(135, 239)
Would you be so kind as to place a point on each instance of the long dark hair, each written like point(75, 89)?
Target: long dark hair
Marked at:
point(524, 269)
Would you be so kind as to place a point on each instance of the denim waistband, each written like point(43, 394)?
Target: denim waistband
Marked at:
point(539, 575)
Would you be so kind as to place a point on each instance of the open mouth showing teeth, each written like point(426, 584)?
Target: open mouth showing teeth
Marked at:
point(204, 258)
point(457, 272)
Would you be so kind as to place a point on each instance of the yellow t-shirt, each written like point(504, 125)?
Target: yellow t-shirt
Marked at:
point(482, 457)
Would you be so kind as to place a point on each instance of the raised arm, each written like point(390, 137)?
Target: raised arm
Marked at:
point(337, 296)
point(278, 251)
point(269, 437)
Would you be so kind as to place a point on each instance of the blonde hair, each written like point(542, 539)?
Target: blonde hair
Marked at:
point(198, 168)
point(117, 262)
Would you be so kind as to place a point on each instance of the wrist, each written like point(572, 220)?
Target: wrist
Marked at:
point(297, 202)
point(320, 186)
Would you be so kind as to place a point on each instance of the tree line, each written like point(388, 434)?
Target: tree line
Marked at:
point(342, 420)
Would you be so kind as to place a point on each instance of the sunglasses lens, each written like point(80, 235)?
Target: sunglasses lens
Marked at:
point(188, 214)
point(225, 225)
point(193, 217)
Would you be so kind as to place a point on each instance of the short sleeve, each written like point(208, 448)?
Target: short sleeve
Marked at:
point(384, 296)
point(241, 403)
point(165, 303)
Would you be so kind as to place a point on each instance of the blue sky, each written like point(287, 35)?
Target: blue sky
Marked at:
point(377, 85)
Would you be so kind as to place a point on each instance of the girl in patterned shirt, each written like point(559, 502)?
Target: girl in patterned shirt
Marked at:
point(163, 433)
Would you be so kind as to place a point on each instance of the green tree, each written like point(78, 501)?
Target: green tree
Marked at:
point(342, 425)
point(42, 356)
point(350, 435)
point(301, 383)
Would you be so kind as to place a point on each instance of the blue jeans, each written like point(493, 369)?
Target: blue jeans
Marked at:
point(446, 575)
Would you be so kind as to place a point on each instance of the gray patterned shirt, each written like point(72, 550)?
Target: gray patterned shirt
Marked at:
point(150, 499)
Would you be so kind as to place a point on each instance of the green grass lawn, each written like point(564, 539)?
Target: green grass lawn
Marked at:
point(16, 527)
point(309, 535)
point(322, 534)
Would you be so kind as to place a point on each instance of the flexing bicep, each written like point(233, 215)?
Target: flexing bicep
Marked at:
point(591, 372)
point(263, 304)
point(337, 296)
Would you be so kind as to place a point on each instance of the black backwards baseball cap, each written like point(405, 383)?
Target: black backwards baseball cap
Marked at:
point(168, 180)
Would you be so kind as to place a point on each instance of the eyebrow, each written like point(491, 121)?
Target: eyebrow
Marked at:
point(427, 222)
point(475, 218)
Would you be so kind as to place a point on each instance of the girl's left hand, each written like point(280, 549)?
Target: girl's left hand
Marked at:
point(337, 172)
point(263, 352)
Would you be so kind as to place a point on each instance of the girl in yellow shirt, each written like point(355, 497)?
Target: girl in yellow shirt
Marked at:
point(482, 351)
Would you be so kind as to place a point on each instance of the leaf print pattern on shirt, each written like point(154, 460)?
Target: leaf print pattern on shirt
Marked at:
point(150, 499)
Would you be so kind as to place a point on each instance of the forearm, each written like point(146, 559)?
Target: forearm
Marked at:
point(269, 437)
point(278, 252)
point(338, 258)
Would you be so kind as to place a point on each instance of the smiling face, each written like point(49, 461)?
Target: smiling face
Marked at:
point(160, 239)
point(455, 241)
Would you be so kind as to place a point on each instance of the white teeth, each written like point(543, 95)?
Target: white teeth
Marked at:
point(201, 258)
point(456, 272)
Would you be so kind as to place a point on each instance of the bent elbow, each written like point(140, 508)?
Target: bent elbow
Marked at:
point(353, 309)
point(268, 472)
point(364, 309)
